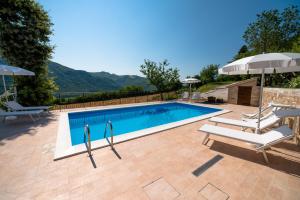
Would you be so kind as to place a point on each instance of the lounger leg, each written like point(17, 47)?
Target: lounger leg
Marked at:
point(206, 139)
point(216, 123)
point(265, 156)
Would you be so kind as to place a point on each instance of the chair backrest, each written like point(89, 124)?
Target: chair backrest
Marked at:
point(13, 105)
point(196, 95)
point(292, 112)
point(185, 95)
point(270, 120)
point(276, 135)
point(276, 116)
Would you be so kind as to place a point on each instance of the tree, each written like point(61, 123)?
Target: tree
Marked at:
point(132, 89)
point(243, 52)
point(163, 78)
point(25, 30)
point(273, 31)
point(296, 46)
point(290, 27)
point(209, 73)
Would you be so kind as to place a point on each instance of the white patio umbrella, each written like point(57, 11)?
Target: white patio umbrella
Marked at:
point(190, 81)
point(268, 63)
point(6, 70)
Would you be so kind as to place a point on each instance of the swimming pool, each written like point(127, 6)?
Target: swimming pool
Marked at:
point(126, 120)
point(129, 121)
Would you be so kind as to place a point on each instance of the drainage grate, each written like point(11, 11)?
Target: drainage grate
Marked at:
point(207, 165)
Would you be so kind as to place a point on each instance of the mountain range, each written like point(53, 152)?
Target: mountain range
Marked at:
point(71, 80)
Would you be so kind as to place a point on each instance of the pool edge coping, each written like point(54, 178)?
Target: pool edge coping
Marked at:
point(64, 148)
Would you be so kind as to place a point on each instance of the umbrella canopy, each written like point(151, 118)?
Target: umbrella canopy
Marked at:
point(190, 81)
point(261, 64)
point(14, 71)
point(270, 62)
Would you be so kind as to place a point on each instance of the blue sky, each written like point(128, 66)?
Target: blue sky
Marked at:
point(116, 36)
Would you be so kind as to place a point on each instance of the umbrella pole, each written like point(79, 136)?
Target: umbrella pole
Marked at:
point(4, 85)
point(190, 91)
point(260, 99)
point(15, 89)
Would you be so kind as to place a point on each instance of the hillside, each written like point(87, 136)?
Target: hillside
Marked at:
point(71, 80)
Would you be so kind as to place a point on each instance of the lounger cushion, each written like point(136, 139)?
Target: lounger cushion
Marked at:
point(258, 139)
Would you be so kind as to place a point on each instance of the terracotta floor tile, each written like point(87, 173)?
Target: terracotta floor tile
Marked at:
point(27, 169)
point(211, 192)
point(160, 189)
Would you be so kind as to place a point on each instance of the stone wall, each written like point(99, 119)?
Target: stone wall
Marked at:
point(282, 95)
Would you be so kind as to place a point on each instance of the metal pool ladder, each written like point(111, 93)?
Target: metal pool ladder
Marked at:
point(109, 124)
point(87, 134)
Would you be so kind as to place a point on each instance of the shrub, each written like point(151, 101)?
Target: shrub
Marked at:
point(294, 83)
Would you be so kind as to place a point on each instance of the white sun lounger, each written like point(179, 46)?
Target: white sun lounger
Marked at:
point(266, 122)
point(251, 123)
point(29, 113)
point(196, 96)
point(184, 96)
point(271, 107)
point(262, 141)
point(15, 106)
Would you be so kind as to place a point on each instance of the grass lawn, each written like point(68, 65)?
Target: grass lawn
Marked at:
point(211, 86)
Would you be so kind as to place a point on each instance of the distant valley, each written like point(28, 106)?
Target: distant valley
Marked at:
point(71, 80)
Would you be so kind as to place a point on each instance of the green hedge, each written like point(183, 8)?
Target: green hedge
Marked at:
point(100, 96)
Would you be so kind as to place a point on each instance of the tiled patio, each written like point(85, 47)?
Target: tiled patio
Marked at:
point(159, 166)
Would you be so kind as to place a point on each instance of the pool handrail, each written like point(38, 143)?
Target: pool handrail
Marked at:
point(111, 133)
point(87, 134)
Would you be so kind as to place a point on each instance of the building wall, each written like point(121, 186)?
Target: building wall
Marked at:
point(233, 93)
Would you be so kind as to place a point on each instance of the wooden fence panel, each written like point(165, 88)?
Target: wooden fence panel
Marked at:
point(129, 100)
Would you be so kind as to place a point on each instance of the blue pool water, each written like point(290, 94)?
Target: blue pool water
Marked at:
point(131, 119)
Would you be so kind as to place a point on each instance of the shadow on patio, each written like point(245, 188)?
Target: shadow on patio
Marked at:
point(288, 163)
point(23, 125)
